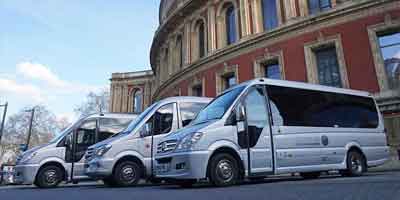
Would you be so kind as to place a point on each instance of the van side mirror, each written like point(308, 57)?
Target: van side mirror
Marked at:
point(146, 130)
point(240, 115)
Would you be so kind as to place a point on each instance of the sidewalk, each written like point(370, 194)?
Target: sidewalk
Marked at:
point(392, 165)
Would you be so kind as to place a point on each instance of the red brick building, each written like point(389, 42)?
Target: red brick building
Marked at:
point(203, 47)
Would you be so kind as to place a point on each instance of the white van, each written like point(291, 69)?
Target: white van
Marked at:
point(129, 157)
point(265, 127)
point(48, 165)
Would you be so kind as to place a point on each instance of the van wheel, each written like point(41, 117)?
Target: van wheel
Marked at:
point(224, 170)
point(310, 175)
point(49, 177)
point(356, 164)
point(127, 173)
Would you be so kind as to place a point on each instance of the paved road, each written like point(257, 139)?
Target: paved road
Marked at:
point(373, 186)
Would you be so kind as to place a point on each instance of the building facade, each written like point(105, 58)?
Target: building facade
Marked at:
point(130, 91)
point(203, 47)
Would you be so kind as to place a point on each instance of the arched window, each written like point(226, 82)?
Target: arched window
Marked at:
point(137, 101)
point(270, 14)
point(179, 49)
point(230, 22)
point(201, 38)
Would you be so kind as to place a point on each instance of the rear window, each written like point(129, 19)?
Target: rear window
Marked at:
point(308, 108)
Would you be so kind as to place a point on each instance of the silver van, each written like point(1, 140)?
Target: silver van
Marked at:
point(62, 159)
point(127, 158)
point(266, 127)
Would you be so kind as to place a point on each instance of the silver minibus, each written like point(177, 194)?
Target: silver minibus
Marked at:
point(129, 157)
point(266, 127)
point(62, 159)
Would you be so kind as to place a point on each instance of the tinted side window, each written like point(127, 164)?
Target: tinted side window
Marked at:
point(110, 126)
point(162, 120)
point(189, 111)
point(299, 107)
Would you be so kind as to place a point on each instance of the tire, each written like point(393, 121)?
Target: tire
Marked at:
point(127, 173)
point(310, 175)
point(223, 170)
point(49, 177)
point(356, 164)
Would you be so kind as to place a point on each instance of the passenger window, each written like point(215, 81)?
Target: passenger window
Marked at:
point(309, 108)
point(162, 120)
point(111, 126)
point(189, 111)
point(256, 114)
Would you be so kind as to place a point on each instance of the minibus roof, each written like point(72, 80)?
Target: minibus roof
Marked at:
point(302, 85)
point(185, 99)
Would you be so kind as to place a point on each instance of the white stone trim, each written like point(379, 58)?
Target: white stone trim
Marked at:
point(258, 66)
point(311, 64)
point(373, 32)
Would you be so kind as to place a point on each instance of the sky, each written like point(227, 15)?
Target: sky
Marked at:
point(53, 52)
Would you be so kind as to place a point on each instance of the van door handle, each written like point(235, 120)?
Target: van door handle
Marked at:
point(324, 140)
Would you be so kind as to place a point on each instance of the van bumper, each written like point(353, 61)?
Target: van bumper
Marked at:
point(25, 174)
point(99, 168)
point(185, 165)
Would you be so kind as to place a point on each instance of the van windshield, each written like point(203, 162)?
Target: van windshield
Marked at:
point(137, 121)
point(64, 132)
point(217, 108)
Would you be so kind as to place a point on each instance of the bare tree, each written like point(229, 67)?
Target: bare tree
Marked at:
point(45, 126)
point(94, 103)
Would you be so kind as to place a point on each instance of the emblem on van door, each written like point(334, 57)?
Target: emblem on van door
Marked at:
point(325, 140)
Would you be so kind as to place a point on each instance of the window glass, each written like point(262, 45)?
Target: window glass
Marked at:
point(299, 107)
point(179, 45)
point(316, 6)
point(139, 119)
point(231, 25)
point(86, 135)
point(270, 14)
point(137, 102)
point(328, 67)
point(272, 71)
point(189, 111)
point(202, 46)
point(197, 91)
point(390, 50)
point(162, 120)
point(110, 126)
point(256, 114)
point(217, 108)
point(230, 81)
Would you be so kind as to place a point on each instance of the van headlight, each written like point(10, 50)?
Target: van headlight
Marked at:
point(188, 141)
point(103, 149)
point(27, 158)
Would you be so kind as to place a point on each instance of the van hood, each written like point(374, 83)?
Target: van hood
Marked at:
point(37, 148)
point(180, 134)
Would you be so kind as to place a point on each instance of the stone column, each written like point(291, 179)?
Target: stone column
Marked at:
point(188, 40)
point(257, 15)
point(244, 10)
point(212, 39)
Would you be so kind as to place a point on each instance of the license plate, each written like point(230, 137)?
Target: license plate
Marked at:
point(162, 168)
